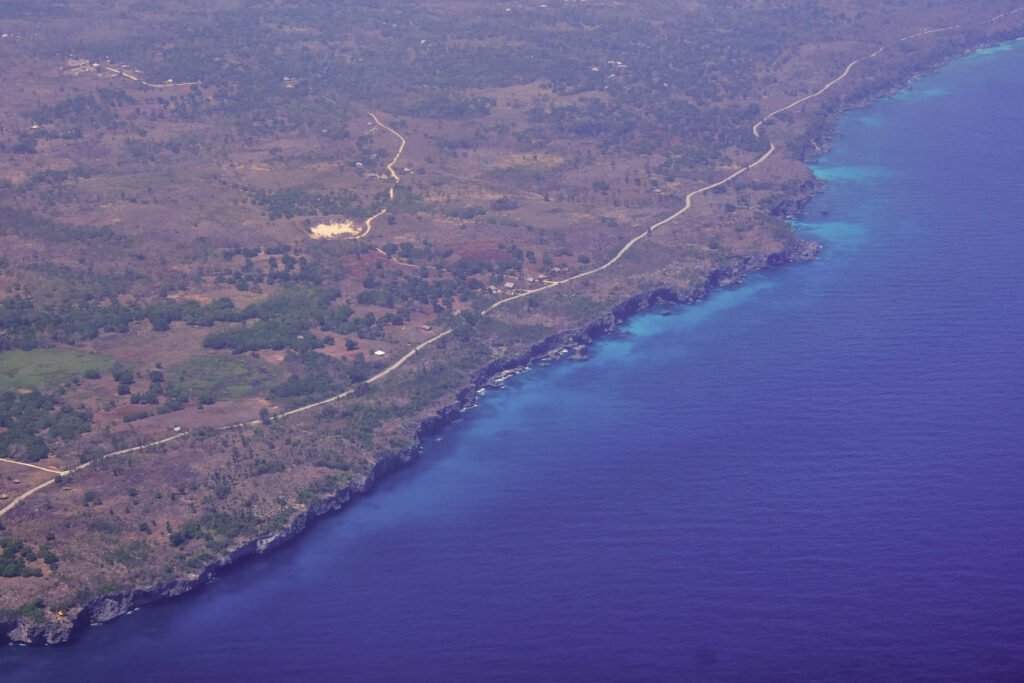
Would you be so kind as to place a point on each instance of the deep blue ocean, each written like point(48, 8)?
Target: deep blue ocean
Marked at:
point(815, 476)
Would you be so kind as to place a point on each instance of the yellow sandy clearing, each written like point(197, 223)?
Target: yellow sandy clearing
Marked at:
point(328, 230)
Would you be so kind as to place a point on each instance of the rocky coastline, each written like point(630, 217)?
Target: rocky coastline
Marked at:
point(108, 607)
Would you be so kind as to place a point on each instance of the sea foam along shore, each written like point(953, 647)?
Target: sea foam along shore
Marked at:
point(108, 607)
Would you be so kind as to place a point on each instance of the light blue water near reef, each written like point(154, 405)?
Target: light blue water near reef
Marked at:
point(815, 476)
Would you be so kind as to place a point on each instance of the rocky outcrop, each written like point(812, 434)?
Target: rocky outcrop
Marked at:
point(39, 634)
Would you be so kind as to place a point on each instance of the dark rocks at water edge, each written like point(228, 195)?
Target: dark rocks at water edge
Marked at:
point(570, 345)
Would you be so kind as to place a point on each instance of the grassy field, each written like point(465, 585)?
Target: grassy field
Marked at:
point(46, 367)
point(224, 378)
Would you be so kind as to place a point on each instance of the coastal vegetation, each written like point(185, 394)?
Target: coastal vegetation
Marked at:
point(184, 368)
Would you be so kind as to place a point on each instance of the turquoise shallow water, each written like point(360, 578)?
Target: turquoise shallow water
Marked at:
point(814, 476)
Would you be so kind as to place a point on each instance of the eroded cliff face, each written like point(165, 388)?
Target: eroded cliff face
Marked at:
point(109, 607)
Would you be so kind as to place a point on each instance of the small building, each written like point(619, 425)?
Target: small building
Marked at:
point(380, 352)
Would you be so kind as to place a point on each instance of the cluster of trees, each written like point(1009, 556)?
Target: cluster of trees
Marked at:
point(327, 484)
point(214, 527)
point(53, 177)
point(162, 313)
point(302, 386)
point(632, 52)
point(588, 117)
point(25, 143)
point(170, 396)
point(282, 266)
point(290, 202)
point(17, 555)
point(303, 304)
point(282, 322)
point(30, 419)
point(99, 110)
point(269, 67)
point(285, 320)
point(424, 253)
point(315, 376)
point(27, 326)
point(265, 334)
point(447, 105)
point(38, 228)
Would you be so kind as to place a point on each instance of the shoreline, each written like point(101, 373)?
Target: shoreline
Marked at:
point(109, 607)
point(106, 608)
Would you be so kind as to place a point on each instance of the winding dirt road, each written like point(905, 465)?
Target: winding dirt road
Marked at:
point(34, 466)
point(368, 225)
